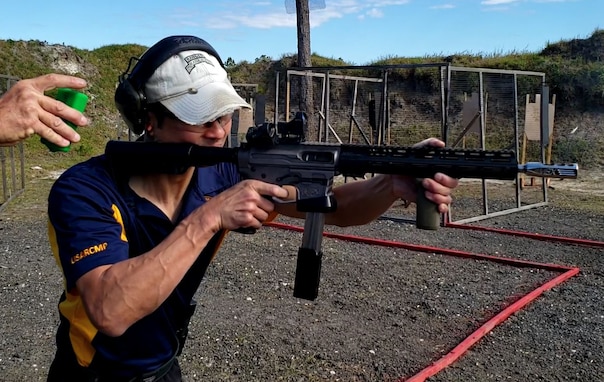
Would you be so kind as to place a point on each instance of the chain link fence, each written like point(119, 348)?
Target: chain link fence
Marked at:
point(379, 105)
point(492, 109)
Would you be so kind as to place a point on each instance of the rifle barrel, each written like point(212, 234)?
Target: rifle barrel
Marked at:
point(562, 171)
point(423, 162)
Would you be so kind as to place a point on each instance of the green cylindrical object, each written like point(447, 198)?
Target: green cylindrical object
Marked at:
point(427, 214)
point(74, 99)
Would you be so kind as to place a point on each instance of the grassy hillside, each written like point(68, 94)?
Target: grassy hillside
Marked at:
point(574, 69)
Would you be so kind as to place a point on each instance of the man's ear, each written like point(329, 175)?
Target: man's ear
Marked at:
point(151, 124)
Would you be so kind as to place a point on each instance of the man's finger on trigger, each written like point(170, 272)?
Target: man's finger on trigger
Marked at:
point(292, 192)
point(270, 189)
point(282, 192)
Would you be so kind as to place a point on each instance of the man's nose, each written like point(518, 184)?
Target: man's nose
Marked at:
point(214, 130)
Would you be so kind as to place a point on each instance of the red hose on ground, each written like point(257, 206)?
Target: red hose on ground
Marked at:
point(531, 235)
point(483, 330)
point(424, 248)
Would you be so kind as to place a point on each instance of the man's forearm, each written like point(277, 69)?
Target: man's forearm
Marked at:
point(118, 295)
point(361, 202)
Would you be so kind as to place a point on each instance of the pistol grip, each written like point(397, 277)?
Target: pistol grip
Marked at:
point(427, 214)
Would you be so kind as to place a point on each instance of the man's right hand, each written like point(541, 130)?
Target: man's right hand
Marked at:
point(246, 205)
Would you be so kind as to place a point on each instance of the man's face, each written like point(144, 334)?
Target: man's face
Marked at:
point(214, 133)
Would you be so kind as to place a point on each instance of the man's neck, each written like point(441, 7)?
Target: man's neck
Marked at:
point(166, 191)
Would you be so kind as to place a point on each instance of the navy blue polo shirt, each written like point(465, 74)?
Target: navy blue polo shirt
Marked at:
point(96, 219)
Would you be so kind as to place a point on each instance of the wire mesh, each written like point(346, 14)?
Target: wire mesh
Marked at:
point(394, 105)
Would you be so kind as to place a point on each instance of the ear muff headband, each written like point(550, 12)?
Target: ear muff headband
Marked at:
point(130, 98)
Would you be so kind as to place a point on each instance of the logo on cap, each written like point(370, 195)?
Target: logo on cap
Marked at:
point(195, 59)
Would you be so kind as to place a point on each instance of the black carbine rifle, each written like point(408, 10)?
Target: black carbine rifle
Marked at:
point(276, 153)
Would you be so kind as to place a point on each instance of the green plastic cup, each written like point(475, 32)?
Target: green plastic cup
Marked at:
point(74, 99)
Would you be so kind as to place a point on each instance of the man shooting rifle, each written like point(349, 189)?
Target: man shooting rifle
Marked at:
point(133, 246)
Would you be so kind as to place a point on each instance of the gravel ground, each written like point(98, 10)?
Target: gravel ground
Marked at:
point(383, 313)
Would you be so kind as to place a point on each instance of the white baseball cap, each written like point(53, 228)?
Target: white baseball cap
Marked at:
point(194, 87)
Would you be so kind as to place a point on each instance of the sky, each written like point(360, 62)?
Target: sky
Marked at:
point(357, 31)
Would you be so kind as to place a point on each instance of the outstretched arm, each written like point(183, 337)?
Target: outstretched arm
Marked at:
point(364, 201)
